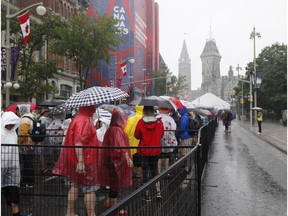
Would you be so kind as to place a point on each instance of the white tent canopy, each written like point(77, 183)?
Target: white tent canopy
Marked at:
point(211, 100)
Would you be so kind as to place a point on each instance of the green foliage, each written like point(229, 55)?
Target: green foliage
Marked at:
point(176, 85)
point(272, 62)
point(33, 74)
point(35, 78)
point(179, 86)
point(86, 42)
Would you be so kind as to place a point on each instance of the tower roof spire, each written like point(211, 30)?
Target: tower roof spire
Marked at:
point(184, 51)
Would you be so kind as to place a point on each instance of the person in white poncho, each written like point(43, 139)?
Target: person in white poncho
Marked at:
point(10, 166)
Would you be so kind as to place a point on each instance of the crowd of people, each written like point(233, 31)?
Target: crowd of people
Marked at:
point(124, 150)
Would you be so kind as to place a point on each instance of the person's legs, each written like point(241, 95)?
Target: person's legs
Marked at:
point(145, 168)
point(259, 127)
point(113, 183)
point(154, 171)
point(12, 198)
point(166, 163)
point(159, 165)
point(28, 175)
point(90, 201)
point(72, 196)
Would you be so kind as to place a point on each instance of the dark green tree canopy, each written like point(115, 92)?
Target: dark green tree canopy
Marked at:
point(86, 41)
point(272, 62)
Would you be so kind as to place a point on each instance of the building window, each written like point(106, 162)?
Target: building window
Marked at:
point(65, 91)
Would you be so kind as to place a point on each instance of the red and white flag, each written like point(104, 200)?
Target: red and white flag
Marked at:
point(25, 26)
point(123, 68)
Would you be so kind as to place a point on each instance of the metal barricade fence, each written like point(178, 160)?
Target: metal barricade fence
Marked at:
point(180, 188)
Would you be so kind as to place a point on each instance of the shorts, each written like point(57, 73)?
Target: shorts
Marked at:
point(46, 149)
point(86, 188)
point(166, 155)
point(137, 160)
point(10, 176)
point(185, 142)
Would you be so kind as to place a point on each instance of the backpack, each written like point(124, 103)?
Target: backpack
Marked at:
point(39, 130)
point(193, 125)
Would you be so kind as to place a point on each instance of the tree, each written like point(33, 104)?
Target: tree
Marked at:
point(86, 41)
point(175, 88)
point(179, 88)
point(34, 74)
point(272, 62)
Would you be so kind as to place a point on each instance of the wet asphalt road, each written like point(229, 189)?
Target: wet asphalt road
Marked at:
point(245, 174)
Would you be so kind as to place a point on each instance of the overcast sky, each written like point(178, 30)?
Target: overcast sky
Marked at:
point(231, 22)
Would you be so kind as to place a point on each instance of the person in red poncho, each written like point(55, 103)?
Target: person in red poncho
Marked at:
point(80, 164)
point(116, 164)
point(149, 131)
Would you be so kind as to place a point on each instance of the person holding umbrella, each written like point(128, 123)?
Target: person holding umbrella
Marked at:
point(80, 164)
point(149, 131)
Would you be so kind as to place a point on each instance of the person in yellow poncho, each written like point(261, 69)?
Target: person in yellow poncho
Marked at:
point(129, 130)
point(259, 119)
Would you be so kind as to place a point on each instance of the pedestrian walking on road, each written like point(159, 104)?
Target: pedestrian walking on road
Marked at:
point(80, 164)
point(259, 120)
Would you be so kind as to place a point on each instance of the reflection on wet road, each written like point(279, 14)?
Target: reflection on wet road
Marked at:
point(245, 176)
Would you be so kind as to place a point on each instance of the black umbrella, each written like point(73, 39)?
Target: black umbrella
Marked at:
point(153, 101)
point(51, 103)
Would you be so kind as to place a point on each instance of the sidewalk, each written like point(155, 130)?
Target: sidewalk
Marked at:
point(272, 132)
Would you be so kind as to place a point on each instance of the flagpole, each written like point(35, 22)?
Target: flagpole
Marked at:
point(8, 57)
point(41, 11)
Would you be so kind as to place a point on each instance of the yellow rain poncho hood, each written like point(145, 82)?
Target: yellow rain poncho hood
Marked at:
point(131, 126)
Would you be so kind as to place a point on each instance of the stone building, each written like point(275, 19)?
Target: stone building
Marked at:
point(212, 81)
point(184, 66)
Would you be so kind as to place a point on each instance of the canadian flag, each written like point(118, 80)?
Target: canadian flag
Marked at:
point(123, 68)
point(25, 26)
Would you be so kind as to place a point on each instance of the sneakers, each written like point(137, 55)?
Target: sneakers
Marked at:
point(158, 195)
point(187, 169)
point(146, 198)
point(122, 212)
point(27, 186)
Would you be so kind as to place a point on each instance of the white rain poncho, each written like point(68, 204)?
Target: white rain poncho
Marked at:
point(9, 154)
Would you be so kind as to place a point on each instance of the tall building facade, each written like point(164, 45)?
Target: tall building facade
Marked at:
point(212, 81)
point(210, 59)
point(138, 23)
point(184, 66)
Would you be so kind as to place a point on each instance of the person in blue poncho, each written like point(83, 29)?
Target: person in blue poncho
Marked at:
point(184, 137)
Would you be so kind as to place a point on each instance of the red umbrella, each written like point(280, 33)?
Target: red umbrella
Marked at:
point(175, 101)
point(13, 107)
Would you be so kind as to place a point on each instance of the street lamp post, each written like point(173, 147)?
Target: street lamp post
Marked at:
point(253, 36)
point(41, 11)
point(145, 82)
point(238, 68)
point(250, 82)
